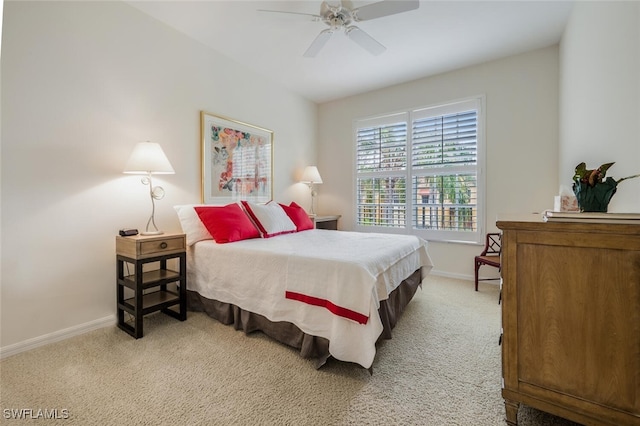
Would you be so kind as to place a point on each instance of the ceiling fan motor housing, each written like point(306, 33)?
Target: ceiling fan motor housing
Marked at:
point(337, 17)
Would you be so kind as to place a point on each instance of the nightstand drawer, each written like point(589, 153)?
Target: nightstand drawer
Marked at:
point(162, 246)
point(141, 246)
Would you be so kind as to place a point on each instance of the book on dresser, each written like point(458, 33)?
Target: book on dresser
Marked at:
point(591, 217)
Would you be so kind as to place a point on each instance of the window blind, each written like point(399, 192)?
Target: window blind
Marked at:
point(382, 202)
point(445, 202)
point(445, 140)
point(382, 147)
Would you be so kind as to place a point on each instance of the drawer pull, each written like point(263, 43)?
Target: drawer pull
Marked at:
point(163, 245)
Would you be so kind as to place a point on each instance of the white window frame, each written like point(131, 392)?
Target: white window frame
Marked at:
point(477, 236)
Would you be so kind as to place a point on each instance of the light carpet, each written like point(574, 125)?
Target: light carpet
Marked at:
point(441, 368)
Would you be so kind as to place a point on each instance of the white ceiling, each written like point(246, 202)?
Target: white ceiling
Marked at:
point(437, 37)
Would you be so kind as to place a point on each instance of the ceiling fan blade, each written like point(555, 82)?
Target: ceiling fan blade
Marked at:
point(313, 17)
point(384, 8)
point(318, 43)
point(347, 4)
point(365, 40)
point(325, 8)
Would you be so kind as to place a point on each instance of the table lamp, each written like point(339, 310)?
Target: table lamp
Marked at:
point(311, 176)
point(148, 158)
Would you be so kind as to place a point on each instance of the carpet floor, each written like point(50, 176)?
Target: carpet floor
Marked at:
point(442, 367)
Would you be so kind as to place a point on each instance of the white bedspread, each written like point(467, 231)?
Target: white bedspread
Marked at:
point(350, 269)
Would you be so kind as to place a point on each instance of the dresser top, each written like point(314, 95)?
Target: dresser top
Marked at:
point(535, 222)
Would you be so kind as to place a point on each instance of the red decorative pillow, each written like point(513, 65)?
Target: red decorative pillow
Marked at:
point(270, 218)
point(299, 216)
point(227, 223)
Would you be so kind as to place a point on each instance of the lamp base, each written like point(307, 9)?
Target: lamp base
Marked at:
point(152, 233)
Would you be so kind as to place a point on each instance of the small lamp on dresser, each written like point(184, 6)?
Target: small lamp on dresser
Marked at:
point(311, 176)
point(148, 158)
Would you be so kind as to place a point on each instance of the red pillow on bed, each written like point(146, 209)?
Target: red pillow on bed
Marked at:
point(298, 216)
point(227, 223)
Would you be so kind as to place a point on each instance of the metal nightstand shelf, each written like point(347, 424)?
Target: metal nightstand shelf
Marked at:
point(140, 251)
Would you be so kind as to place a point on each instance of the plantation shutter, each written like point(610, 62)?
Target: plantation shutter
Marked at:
point(419, 172)
point(381, 162)
point(445, 140)
point(444, 158)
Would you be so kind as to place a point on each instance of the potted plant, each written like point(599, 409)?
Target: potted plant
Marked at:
point(592, 190)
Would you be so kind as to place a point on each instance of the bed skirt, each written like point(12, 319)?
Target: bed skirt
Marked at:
point(312, 347)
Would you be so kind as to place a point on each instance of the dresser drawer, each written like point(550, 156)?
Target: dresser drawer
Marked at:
point(140, 246)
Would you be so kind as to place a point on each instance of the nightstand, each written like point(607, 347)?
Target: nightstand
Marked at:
point(151, 282)
point(326, 222)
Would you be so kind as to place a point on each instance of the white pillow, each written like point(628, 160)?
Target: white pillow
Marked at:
point(270, 218)
point(191, 224)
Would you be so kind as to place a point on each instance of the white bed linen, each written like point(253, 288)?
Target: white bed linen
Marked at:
point(254, 275)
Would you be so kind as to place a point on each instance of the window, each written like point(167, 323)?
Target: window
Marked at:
point(420, 172)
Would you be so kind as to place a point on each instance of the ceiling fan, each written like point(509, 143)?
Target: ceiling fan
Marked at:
point(340, 17)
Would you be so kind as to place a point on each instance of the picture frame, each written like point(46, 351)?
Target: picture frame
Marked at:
point(237, 161)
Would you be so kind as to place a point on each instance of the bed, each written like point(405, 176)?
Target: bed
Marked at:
point(326, 293)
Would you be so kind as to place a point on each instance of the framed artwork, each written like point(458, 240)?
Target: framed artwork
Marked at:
point(237, 161)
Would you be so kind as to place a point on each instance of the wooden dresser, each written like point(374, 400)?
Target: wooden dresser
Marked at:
point(571, 319)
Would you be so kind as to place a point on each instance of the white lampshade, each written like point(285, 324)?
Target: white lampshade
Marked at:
point(311, 175)
point(148, 158)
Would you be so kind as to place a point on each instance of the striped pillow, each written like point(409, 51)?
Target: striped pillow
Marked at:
point(270, 218)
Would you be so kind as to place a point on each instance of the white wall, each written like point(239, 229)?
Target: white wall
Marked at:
point(521, 138)
point(600, 95)
point(82, 83)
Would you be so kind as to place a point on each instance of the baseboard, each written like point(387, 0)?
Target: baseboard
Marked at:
point(450, 275)
point(494, 280)
point(56, 336)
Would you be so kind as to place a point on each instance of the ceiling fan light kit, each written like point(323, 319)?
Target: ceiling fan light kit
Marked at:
point(341, 16)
